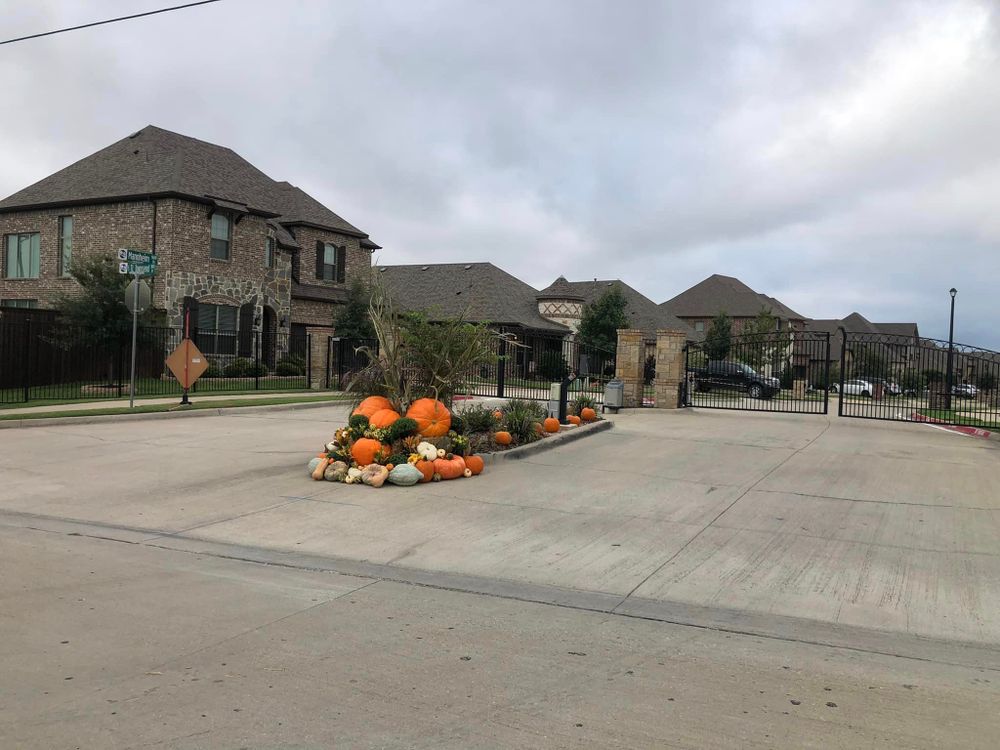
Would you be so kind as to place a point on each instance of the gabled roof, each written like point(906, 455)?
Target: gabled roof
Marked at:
point(858, 323)
point(157, 162)
point(480, 292)
point(644, 314)
point(719, 293)
point(898, 329)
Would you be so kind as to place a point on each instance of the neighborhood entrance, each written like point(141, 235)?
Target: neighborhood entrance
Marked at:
point(908, 379)
point(783, 371)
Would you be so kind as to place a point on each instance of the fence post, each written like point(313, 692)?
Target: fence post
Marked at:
point(501, 366)
point(629, 360)
point(826, 377)
point(329, 357)
point(256, 360)
point(309, 367)
point(26, 380)
point(670, 354)
point(843, 370)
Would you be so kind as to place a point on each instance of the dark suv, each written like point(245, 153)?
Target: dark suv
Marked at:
point(734, 376)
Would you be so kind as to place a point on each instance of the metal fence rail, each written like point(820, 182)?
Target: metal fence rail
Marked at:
point(908, 379)
point(782, 371)
point(43, 360)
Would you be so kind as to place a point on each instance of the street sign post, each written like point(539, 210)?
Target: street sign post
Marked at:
point(186, 362)
point(136, 263)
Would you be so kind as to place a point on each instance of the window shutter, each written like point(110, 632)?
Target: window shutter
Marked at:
point(319, 259)
point(341, 263)
point(246, 330)
point(295, 265)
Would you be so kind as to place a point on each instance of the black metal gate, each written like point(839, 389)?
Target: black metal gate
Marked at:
point(780, 371)
point(344, 358)
point(913, 379)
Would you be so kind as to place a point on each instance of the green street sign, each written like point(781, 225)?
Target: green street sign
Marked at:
point(135, 256)
point(141, 268)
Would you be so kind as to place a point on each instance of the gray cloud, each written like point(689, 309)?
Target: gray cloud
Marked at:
point(838, 155)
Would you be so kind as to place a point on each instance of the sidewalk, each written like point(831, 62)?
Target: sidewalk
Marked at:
point(119, 403)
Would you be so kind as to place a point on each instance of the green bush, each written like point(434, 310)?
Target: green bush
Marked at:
point(520, 416)
point(358, 422)
point(289, 368)
point(552, 366)
point(478, 418)
point(213, 371)
point(397, 458)
point(241, 367)
point(401, 428)
point(582, 402)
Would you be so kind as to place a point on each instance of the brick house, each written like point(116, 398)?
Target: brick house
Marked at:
point(698, 305)
point(241, 251)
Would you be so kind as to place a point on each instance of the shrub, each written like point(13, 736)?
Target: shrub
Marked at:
point(289, 368)
point(358, 422)
point(582, 402)
point(241, 367)
point(213, 371)
point(520, 416)
point(552, 366)
point(401, 428)
point(397, 458)
point(478, 418)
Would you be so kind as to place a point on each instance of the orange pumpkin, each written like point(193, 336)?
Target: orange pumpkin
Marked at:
point(497, 415)
point(427, 469)
point(371, 405)
point(449, 468)
point(383, 418)
point(475, 464)
point(573, 419)
point(551, 424)
point(366, 450)
point(502, 437)
point(432, 417)
point(588, 414)
point(537, 427)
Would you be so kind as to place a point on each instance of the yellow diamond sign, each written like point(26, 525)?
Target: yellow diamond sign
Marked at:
point(187, 363)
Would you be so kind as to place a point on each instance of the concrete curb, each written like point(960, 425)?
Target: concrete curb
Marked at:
point(548, 443)
point(181, 413)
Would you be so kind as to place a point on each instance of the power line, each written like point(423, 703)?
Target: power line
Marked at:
point(110, 20)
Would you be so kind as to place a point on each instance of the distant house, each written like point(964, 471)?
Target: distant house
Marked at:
point(701, 303)
point(563, 301)
point(242, 252)
point(898, 342)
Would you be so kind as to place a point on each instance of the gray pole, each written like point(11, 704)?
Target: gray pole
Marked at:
point(135, 325)
point(949, 376)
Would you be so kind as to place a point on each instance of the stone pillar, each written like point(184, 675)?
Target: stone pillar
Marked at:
point(629, 364)
point(319, 352)
point(798, 389)
point(670, 371)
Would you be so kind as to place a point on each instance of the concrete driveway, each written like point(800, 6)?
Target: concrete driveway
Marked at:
point(838, 531)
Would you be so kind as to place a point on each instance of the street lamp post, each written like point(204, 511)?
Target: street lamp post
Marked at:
point(949, 375)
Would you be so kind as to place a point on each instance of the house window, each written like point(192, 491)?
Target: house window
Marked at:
point(22, 256)
point(217, 328)
point(699, 326)
point(269, 259)
point(65, 244)
point(329, 270)
point(220, 236)
point(28, 303)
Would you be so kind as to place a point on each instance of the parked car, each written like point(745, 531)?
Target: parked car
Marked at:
point(858, 388)
point(733, 376)
point(889, 387)
point(964, 390)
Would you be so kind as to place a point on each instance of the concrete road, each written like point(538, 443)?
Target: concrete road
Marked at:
point(757, 522)
point(108, 644)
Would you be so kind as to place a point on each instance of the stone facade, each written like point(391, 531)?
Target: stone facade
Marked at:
point(319, 353)
point(565, 312)
point(629, 361)
point(670, 368)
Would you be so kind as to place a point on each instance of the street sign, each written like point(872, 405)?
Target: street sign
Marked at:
point(187, 363)
point(139, 301)
point(136, 262)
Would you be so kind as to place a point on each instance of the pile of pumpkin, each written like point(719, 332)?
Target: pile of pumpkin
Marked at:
point(547, 426)
point(380, 445)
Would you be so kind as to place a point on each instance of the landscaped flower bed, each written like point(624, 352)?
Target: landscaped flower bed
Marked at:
point(430, 443)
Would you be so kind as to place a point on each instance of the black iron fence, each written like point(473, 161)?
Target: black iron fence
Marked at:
point(527, 364)
point(43, 360)
point(908, 379)
point(782, 371)
point(344, 358)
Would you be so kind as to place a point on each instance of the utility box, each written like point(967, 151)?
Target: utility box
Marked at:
point(552, 408)
point(614, 394)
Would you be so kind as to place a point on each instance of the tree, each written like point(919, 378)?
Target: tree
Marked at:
point(986, 381)
point(97, 316)
point(719, 337)
point(353, 320)
point(601, 320)
point(762, 343)
point(869, 361)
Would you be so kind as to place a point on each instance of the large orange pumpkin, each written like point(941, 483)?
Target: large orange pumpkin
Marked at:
point(372, 404)
point(502, 437)
point(427, 469)
point(588, 415)
point(366, 451)
point(475, 464)
point(551, 424)
point(432, 417)
point(573, 419)
point(383, 418)
point(449, 468)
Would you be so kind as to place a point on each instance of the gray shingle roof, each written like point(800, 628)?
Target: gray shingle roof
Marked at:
point(318, 293)
point(719, 293)
point(560, 289)
point(645, 314)
point(154, 161)
point(480, 292)
point(898, 329)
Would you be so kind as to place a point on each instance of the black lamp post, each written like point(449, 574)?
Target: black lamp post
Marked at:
point(949, 376)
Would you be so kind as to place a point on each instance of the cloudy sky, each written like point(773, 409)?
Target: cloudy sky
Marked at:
point(838, 154)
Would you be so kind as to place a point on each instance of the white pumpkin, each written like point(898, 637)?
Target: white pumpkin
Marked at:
point(427, 451)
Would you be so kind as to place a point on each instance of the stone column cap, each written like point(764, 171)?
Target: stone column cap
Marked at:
point(670, 332)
